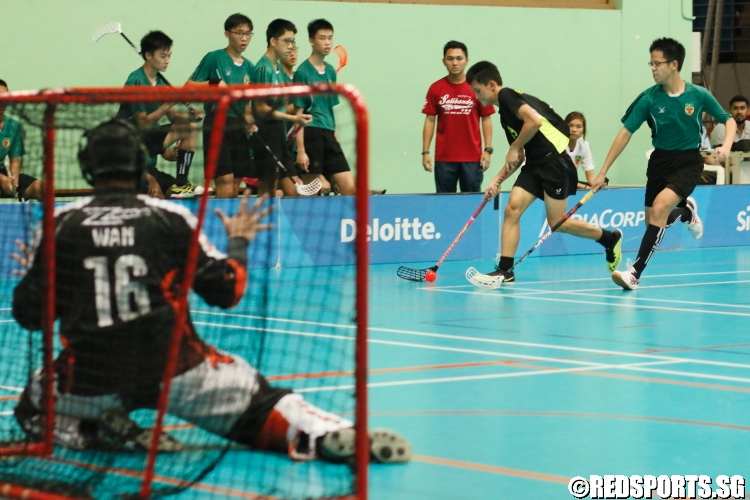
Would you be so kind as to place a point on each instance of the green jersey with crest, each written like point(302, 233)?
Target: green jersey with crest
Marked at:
point(319, 106)
point(128, 110)
point(676, 121)
point(11, 140)
point(268, 73)
point(219, 65)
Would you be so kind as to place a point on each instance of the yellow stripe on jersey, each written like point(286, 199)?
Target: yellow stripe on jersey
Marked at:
point(553, 135)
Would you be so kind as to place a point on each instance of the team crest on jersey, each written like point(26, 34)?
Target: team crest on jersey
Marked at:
point(246, 80)
point(6, 143)
point(689, 109)
point(578, 159)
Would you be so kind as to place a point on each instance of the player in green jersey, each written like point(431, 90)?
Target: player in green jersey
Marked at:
point(12, 182)
point(673, 109)
point(228, 67)
point(318, 150)
point(271, 114)
point(156, 49)
point(286, 64)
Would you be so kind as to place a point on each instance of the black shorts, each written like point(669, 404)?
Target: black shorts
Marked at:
point(679, 171)
point(164, 180)
point(271, 133)
point(324, 152)
point(153, 138)
point(556, 176)
point(235, 156)
point(24, 181)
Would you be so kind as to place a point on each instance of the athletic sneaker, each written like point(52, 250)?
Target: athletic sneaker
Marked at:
point(614, 254)
point(694, 225)
point(626, 279)
point(189, 190)
point(117, 431)
point(510, 276)
point(69, 432)
point(386, 446)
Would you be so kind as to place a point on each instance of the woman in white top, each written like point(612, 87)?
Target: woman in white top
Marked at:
point(578, 148)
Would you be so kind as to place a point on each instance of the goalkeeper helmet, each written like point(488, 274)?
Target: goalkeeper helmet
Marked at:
point(112, 151)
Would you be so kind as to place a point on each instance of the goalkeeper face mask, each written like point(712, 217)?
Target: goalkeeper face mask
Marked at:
point(112, 150)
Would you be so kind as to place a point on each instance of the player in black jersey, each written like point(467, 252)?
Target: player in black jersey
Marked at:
point(538, 136)
point(120, 260)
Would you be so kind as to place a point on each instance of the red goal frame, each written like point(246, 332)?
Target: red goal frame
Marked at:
point(222, 97)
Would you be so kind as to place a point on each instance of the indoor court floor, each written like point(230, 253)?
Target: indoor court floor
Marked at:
point(510, 393)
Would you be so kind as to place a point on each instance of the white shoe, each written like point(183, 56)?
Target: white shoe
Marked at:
point(626, 279)
point(694, 225)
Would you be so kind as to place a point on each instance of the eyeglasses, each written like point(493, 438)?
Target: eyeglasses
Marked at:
point(656, 64)
point(288, 41)
point(242, 34)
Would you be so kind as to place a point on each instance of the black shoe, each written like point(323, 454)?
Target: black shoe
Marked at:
point(510, 276)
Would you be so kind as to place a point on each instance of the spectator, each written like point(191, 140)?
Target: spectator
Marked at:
point(578, 147)
point(458, 147)
point(738, 108)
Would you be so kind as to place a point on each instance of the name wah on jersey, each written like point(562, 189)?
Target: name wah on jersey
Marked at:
point(606, 219)
point(401, 229)
point(113, 236)
point(743, 218)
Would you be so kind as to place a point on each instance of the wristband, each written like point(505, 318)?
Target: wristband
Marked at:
point(425, 152)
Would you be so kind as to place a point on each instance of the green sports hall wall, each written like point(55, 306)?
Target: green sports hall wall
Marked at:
point(592, 61)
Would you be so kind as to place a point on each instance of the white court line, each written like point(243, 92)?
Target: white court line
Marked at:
point(532, 291)
point(594, 367)
point(417, 346)
point(592, 303)
point(490, 341)
point(10, 388)
point(579, 280)
point(6, 413)
point(664, 359)
point(633, 297)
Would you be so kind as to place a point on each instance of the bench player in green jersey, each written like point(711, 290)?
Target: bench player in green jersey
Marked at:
point(228, 67)
point(673, 109)
point(286, 64)
point(538, 136)
point(12, 182)
point(156, 49)
point(318, 150)
point(271, 114)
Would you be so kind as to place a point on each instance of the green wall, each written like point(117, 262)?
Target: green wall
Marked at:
point(592, 61)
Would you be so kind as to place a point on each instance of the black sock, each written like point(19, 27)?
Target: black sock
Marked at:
point(505, 263)
point(679, 213)
point(650, 242)
point(607, 239)
point(184, 159)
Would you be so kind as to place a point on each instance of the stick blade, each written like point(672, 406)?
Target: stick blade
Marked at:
point(483, 280)
point(106, 29)
point(342, 55)
point(309, 189)
point(410, 274)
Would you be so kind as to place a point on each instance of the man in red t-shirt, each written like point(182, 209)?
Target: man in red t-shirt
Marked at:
point(458, 148)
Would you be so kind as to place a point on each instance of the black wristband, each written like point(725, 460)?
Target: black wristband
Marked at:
point(214, 81)
point(237, 250)
point(425, 152)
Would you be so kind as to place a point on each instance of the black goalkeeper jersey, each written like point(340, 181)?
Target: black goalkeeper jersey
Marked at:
point(120, 262)
point(549, 141)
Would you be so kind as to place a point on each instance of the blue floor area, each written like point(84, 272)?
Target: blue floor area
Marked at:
point(511, 392)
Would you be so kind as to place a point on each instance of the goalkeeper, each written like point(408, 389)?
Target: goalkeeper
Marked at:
point(120, 261)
